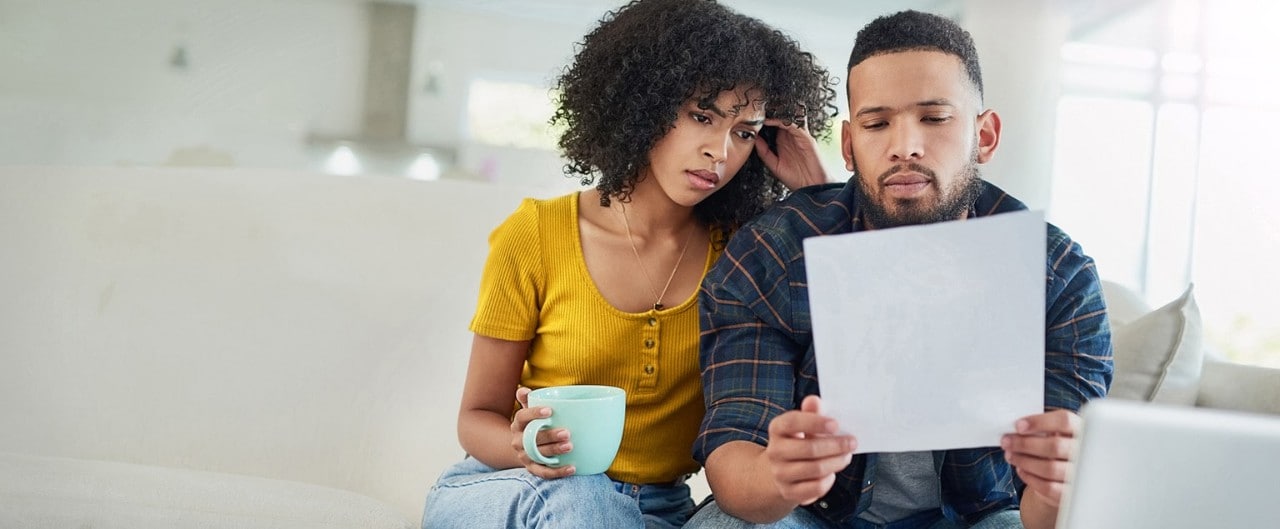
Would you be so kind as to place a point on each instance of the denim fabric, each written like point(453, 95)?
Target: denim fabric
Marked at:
point(709, 516)
point(471, 494)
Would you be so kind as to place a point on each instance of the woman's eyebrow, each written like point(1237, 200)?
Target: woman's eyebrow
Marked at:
point(712, 107)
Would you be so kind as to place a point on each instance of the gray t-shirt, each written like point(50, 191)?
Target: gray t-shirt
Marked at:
point(906, 483)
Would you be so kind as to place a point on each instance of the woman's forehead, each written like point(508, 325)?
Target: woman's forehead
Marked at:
point(734, 101)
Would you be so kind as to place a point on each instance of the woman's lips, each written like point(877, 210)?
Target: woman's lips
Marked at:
point(705, 180)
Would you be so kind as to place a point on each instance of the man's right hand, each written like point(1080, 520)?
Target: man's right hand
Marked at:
point(806, 450)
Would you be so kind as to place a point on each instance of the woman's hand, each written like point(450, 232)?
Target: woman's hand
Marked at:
point(796, 162)
point(551, 443)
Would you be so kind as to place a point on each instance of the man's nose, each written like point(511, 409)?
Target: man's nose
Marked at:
point(907, 143)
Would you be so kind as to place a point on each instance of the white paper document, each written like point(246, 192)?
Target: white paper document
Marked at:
point(930, 337)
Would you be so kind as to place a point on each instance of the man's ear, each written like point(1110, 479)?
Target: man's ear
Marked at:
point(988, 135)
point(846, 145)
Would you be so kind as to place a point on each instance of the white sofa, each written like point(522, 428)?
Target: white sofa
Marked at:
point(237, 348)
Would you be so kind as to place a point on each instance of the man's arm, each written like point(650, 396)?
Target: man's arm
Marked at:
point(762, 484)
point(1078, 368)
point(762, 456)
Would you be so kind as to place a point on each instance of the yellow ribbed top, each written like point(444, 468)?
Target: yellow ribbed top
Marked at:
point(536, 287)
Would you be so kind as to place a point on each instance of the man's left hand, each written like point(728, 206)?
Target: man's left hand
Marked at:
point(1040, 451)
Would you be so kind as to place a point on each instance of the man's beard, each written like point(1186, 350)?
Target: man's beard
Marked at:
point(954, 201)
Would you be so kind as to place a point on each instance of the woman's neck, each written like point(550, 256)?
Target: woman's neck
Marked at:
point(651, 212)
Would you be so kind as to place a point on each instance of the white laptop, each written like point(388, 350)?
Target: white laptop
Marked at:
point(1141, 465)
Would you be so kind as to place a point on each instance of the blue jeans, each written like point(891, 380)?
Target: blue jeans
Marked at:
point(471, 494)
point(711, 517)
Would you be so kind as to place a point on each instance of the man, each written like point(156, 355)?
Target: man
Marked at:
point(916, 134)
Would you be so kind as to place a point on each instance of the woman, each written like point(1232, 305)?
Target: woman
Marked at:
point(664, 103)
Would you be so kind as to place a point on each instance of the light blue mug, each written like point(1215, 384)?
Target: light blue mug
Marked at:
point(592, 414)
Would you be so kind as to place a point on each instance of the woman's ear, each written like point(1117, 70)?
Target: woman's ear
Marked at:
point(988, 135)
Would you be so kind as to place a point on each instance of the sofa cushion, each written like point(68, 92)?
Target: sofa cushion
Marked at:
point(1123, 304)
point(48, 492)
point(1232, 386)
point(1159, 356)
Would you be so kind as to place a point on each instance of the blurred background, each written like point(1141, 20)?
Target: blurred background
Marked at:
point(1134, 124)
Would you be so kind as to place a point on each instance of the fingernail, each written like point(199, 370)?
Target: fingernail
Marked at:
point(1004, 442)
point(1022, 426)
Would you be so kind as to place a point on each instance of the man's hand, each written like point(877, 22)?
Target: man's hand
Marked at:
point(1040, 451)
point(796, 163)
point(805, 452)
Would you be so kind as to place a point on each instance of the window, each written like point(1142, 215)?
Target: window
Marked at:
point(1162, 165)
point(511, 114)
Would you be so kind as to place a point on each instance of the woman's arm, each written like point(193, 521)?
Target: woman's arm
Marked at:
point(486, 429)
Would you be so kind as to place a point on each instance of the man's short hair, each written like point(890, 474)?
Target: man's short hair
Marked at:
point(916, 31)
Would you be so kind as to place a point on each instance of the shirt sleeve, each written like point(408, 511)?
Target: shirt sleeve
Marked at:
point(512, 283)
point(1078, 363)
point(749, 354)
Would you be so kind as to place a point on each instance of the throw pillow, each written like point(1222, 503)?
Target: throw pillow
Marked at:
point(1158, 357)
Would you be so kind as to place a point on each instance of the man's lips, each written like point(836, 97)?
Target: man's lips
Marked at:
point(900, 179)
point(906, 185)
point(703, 179)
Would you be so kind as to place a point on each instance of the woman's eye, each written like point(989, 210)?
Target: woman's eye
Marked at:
point(700, 118)
point(747, 135)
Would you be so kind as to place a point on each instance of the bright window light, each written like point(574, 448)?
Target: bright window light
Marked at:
point(424, 167)
point(1085, 53)
point(1082, 186)
point(1155, 184)
point(342, 161)
point(511, 114)
point(1177, 62)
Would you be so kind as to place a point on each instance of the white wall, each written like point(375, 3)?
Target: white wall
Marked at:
point(89, 82)
point(456, 47)
point(1019, 45)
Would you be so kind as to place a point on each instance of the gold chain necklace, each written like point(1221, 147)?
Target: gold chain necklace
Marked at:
point(657, 303)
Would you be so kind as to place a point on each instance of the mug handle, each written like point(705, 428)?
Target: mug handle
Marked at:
point(531, 442)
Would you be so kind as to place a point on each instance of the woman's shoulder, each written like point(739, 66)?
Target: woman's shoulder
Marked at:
point(534, 223)
point(544, 208)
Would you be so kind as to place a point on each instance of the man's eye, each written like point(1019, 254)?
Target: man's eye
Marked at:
point(700, 118)
point(747, 135)
point(937, 119)
point(874, 125)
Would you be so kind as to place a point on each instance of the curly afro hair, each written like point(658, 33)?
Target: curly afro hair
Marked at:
point(645, 60)
point(914, 31)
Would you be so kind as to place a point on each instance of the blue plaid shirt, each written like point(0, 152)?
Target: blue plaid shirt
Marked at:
point(757, 346)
